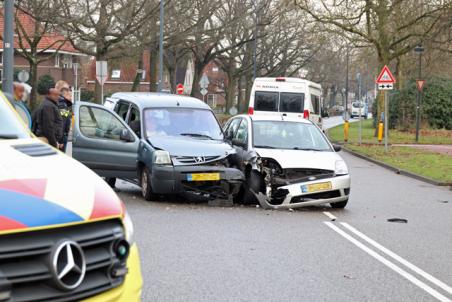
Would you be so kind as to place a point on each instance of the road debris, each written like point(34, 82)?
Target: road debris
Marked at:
point(398, 220)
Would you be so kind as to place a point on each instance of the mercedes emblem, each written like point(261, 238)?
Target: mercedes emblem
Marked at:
point(68, 265)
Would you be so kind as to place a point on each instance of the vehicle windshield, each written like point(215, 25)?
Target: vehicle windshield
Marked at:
point(288, 135)
point(11, 127)
point(200, 123)
point(357, 104)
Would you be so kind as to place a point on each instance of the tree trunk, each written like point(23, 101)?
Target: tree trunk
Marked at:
point(199, 68)
point(153, 58)
point(137, 80)
point(240, 104)
point(34, 84)
point(248, 87)
point(230, 90)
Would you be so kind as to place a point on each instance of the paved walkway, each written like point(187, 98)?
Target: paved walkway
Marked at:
point(443, 149)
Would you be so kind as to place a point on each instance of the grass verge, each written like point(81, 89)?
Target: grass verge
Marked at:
point(432, 165)
point(433, 137)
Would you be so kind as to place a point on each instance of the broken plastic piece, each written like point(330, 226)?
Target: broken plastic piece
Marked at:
point(398, 220)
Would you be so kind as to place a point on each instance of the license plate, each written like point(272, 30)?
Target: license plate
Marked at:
point(203, 177)
point(323, 186)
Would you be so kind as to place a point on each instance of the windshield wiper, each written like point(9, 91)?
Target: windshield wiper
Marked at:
point(308, 149)
point(264, 147)
point(8, 136)
point(197, 135)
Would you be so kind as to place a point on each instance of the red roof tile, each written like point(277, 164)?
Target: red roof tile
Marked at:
point(51, 40)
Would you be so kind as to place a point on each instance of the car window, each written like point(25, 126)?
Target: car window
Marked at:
point(291, 102)
point(99, 123)
point(315, 99)
point(10, 125)
point(288, 135)
point(232, 128)
point(135, 120)
point(242, 132)
point(121, 109)
point(266, 101)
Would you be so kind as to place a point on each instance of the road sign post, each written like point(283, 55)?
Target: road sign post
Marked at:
point(204, 84)
point(385, 82)
point(358, 77)
point(101, 75)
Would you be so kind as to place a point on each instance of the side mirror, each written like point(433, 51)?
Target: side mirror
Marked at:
point(239, 143)
point(126, 136)
point(337, 148)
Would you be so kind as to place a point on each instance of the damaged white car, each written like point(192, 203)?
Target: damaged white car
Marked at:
point(288, 162)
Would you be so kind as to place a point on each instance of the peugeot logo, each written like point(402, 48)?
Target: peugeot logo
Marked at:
point(68, 265)
point(199, 159)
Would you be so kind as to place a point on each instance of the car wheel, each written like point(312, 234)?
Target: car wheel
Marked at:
point(339, 205)
point(145, 182)
point(111, 182)
point(253, 182)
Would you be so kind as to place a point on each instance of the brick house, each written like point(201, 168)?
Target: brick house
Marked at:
point(61, 53)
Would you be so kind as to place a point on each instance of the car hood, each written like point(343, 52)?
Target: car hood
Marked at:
point(191, 146)
point(46, 191)
point(301, 159)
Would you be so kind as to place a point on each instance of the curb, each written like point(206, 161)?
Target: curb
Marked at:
point(397, 170)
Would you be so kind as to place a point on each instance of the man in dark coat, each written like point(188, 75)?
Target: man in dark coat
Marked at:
point(47, 121)
point(65, 107)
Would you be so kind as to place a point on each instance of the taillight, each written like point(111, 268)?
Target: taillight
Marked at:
point(250, 111)
point(306, 114)
point(280, 79)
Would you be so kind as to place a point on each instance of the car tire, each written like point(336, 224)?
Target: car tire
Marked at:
point(253, 182)
point(145, 182)
point(339, 205)
point(111, 181)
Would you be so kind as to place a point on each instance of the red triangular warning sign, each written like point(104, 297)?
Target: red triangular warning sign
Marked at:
point(420, 84)
point(385, 76)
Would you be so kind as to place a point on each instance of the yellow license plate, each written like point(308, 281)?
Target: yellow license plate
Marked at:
point(323, 186)
point(203, 177)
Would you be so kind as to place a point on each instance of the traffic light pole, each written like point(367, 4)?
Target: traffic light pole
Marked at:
point(8, 46)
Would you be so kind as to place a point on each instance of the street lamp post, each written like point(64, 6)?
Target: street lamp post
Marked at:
point(255, 41)
point(8, 46)
point(347, 84)
point(419, 50)
point(358, 78)
point(160, 80)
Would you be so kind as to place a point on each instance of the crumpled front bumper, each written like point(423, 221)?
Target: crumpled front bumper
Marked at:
point(296, 198)
point(173, 179)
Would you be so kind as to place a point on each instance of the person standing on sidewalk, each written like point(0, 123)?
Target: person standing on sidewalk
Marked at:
point(65, 107)
point(47, 121)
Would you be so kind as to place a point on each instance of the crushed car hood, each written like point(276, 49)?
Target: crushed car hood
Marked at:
point(190, 146)
point(50, 190)
point(301, 159)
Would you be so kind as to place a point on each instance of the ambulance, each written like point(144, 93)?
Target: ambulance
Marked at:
point(64, 233)
point(283, 96)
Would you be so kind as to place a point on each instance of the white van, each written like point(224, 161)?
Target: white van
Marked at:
point(290, 96)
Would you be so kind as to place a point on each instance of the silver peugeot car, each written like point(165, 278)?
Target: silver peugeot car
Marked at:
point(288, 162)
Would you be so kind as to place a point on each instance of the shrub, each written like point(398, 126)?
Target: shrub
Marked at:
point(45, 83)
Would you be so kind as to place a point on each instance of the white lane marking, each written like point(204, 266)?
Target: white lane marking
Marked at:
point(329, 215)
point(389, 264)
point(396, 257)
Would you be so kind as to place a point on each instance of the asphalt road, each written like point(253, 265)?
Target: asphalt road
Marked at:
point(192, 252)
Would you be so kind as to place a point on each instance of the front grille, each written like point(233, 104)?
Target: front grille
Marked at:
point(195, 160)
point(25, 261)
point(301, 173)
point(314, 196)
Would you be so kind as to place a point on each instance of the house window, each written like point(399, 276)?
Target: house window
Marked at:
point(57, 60)
point(212, 100)
point(116, 74)
point(1, 75)
point(1, 58)
point(67, 61)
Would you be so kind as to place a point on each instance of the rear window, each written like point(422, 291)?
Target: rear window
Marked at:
point(291, 102)
point(266, 101)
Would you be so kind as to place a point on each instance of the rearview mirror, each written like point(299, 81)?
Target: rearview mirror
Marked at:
point(239, 143)
point(337, 148)
point(126, 136)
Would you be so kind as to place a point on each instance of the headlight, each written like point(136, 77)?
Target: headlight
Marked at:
point(162, 158)
point(340, 168)
point(128, 225)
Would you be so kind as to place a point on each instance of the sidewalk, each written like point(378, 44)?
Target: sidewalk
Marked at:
point(442, 149)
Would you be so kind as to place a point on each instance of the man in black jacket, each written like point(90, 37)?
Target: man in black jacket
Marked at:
point(65, 107)
point(47, 121)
